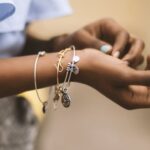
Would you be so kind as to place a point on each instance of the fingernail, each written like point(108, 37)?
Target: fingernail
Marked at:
point(116, 54)
point(105, 48)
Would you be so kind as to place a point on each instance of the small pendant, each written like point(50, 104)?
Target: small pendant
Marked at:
point(56, 98)
point(76, 70)
point(73, 68)
point(45, 106)
point(66, 100)
point(75, 59)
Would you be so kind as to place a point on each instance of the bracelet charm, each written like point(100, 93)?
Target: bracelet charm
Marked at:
point(62, 90)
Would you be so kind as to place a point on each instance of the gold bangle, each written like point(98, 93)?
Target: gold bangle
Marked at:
point(71, 68)
point(59, 69)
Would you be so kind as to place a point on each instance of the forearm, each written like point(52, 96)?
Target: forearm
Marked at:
point(16, 74)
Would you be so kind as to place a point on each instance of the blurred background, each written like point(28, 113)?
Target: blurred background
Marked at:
point(94, 122)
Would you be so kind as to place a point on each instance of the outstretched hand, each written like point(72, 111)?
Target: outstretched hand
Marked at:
point(105, 32)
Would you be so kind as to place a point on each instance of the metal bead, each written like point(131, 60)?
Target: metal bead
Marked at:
point(42, 53)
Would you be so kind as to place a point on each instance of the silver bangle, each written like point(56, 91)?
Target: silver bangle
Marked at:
point(44, 103)
point(71, 68)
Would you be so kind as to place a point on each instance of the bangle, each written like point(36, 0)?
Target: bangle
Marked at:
point(71, 68)
point(44, 103)
point(59, 69)
point(62, 90)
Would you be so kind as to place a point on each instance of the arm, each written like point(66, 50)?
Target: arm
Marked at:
point(122, 84)
point(16, 74)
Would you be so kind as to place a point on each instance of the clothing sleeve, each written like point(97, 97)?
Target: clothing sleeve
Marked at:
point(17, 21)
point(29, 10)
point(12, 35)
point(48, 9)
point(7, 8)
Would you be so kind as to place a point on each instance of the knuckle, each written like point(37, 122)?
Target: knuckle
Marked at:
point(78, 33)
point(126, 33)
point(140, 42)
point(107, 20)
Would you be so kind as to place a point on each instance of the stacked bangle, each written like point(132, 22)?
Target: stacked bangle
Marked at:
point(61, 90)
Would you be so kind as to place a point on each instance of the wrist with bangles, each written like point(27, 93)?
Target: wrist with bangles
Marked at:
point(61, 89)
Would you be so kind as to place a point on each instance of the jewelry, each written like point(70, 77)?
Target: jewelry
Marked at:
point(44, 103)
point(62, 90)
point(59, 68)
point(71, 68)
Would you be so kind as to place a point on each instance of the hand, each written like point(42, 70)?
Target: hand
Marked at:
point(113, 78)
point(105, 32)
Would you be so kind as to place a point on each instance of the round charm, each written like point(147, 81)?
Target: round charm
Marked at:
point(76, 59)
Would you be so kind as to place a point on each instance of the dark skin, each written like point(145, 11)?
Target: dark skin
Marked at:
point(94, 35)
point(125, 86)
point(115, 79)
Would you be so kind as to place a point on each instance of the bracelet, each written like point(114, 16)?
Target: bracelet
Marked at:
point(62, 90)
point(44, 103)
point(59, 69)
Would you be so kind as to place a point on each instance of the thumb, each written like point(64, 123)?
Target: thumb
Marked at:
point(120, 43)
point(101, 45)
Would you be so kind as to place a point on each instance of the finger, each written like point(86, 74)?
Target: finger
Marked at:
point(122, 39)
point(99, 44)
point(87, 40)
point(93, 42)
point(136, 61)
point(133, 97)
point(137, 77)
point(135, 50)
point(111, 31)
point(102, 46)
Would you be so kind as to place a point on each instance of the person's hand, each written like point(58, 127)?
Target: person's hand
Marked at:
point(107, 35)
point(115, 79)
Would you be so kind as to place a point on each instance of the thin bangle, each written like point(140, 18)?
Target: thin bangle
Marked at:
point(71, 68)
point(59, 69)
point(44, 103)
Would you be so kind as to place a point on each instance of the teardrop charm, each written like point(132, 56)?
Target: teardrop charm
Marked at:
point(66, 100)
point(45, 106)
